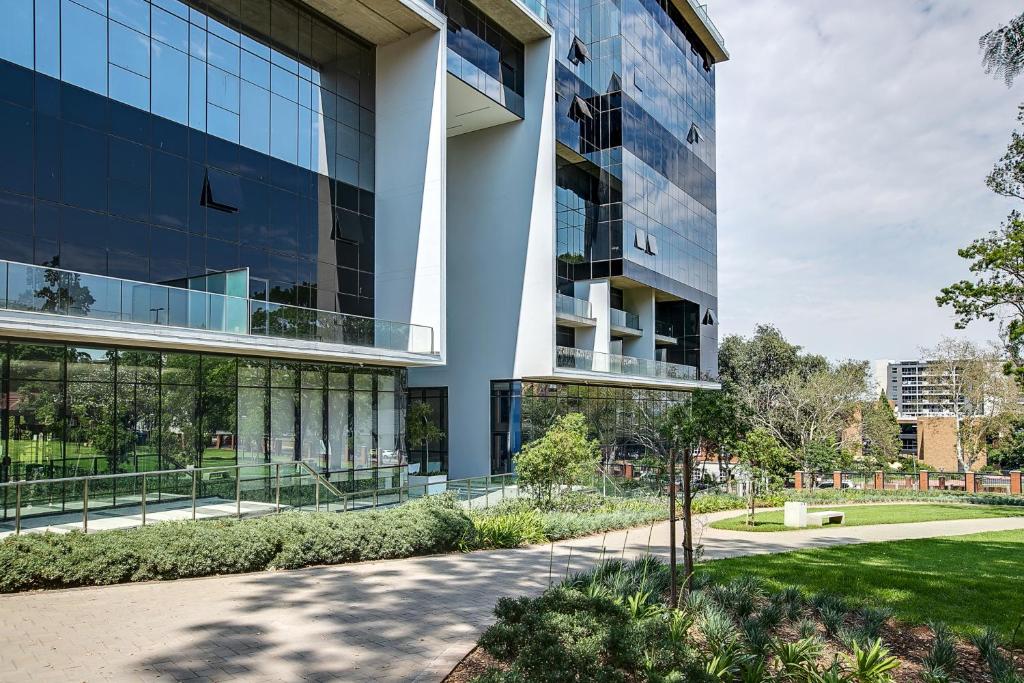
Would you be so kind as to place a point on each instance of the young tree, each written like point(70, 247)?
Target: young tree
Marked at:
point(675, 434)
point(562, 457)
point(420, 429)
point(880, 432)
point(765, 458)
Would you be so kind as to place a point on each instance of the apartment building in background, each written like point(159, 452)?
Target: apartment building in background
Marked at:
point(251, 231)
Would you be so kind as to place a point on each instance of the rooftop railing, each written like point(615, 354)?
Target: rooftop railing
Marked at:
point(40, 289)
point(702, 11)
point(594, 361)
point(570, 305)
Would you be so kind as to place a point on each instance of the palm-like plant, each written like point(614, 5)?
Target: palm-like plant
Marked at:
point(871, 664)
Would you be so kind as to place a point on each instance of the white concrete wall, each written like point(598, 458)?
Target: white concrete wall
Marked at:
point(500, 267)
point(640, 300)
point(410, 212)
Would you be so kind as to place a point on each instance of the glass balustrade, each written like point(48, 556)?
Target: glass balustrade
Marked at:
point(592, 361)
point(570, 305)
point(625, 319)
point(664, 329)
point(38, 289)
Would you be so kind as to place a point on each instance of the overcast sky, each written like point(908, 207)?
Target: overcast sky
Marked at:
point(854, 138)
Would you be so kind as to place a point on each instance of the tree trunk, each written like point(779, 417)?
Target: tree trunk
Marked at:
point(753, 500)
point(673, 589)
point(687, 521)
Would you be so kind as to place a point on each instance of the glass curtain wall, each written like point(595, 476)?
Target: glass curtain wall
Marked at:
point(611, 412)
point(431, 457)
point(72, 411)
point(160, 140)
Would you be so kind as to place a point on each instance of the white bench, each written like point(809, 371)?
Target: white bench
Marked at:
point(795, 515)
point(826, 517)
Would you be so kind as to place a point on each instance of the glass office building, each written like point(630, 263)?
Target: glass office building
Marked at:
point(160, 141)
point(635, 125)
point(73, 410)
point(187, 144)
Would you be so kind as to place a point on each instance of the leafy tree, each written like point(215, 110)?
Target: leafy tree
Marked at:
point(996, 289)
point(765, 357)
point(802, 410)
point(977, 393)
point(880, 432)
point(1003, 50)
point(799, 398)
point(563, 456)
point(765, 458)
point(822, 456)
point(1007, 451)
point(420, 429)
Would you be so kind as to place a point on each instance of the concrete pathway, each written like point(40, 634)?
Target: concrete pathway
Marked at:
point(402, 620)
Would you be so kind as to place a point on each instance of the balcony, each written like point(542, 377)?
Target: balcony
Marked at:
point(130, 309)
point(573, 312)
point(627, 366)
point(625, 324)
point(664, 333)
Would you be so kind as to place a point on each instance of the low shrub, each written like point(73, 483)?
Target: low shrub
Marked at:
point(173, 550)
point(509, 530)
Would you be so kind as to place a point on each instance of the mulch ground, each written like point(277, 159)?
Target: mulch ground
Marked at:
point(909, 643)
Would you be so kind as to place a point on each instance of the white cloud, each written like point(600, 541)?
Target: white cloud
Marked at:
point(853, 142)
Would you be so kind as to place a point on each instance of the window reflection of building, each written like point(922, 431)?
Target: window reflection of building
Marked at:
point(134, 110)
point(72, 411)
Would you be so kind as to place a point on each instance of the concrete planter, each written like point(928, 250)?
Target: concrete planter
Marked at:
point(431, 484)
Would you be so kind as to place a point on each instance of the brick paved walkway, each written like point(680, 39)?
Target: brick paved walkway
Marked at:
point(402, 620)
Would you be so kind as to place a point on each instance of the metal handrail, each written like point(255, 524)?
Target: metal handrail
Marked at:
point(273, 469)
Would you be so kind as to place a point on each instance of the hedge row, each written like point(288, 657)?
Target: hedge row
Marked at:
point(174, 550)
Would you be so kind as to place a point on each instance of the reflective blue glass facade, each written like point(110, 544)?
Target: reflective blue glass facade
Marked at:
point(483, 55)
point(635, 124)
point(162, 140)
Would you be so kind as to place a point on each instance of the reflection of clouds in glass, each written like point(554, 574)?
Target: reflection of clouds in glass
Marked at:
point(235, 87)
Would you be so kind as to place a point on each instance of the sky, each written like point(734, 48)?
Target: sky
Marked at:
point(853, 141)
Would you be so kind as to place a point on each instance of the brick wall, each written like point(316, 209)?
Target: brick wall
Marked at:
point(936, 444)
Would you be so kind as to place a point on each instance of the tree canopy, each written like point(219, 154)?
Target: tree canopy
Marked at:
point(1002, 50)
point(562, 457)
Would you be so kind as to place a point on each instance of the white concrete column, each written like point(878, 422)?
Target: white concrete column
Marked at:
point(500, 213)
point(597, 338)
point(410, 182)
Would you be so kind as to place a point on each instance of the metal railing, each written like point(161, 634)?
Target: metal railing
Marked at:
point(225, 491)
point(702, 11)
point(55, 291)
point(252, 489)
point(630, 321)
point(923, 480)
point(664, 329)
point(570, 305)
point(592, 361)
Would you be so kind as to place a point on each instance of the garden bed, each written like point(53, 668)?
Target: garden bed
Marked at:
point(614, 623)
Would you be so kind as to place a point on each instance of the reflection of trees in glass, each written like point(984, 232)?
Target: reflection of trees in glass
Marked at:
point(421, 428)
point(611, 412)
point(63, 290)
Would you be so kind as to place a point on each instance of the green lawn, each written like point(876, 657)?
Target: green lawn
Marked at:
point(969, 582)
point(861, 515)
